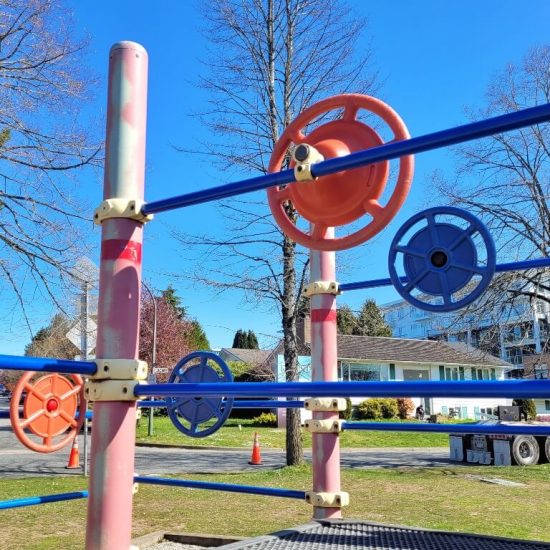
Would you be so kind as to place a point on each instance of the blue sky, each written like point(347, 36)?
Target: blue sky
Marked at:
point(435, 58)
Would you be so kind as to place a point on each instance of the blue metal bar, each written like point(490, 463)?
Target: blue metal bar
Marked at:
point(228, 487)
point(472, 428)
point(220, 192)
point(268, 404)
point(265, 404)
point(32, 501)
point(46, 364)
point(4, 414)
point(503, 388)
point(526, 264)
point(388, 151)
point(499, 268)
point(443, 138)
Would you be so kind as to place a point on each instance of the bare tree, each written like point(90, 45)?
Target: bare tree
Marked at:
point(42, 140)
point(269, 59)
point(505, 180)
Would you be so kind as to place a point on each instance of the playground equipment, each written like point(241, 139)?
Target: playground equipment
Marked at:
point(442, 259)
point(49, 410)
point(190, 413)
point(344, 154)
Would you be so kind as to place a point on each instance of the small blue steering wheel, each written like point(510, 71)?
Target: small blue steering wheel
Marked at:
point(442, 259)
point(190, 414)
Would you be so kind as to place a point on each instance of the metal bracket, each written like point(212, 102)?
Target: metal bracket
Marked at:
point(305, 156)
point(323, 426)
point(111, 390)
point(121, 208)
point(327, 500)
point(322, 404)
point(321, 287)
point(120, 369)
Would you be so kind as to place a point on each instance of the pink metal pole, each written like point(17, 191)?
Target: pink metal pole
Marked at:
point(109, 519)
point(325, 447)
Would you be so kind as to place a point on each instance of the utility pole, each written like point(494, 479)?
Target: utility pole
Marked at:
point(84, 312)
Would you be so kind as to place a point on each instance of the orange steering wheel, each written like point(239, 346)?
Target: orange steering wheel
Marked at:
point(49, 410)
point(343, 197)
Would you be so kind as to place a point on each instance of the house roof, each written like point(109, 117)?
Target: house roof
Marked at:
point(252, 357)
point(371, 348)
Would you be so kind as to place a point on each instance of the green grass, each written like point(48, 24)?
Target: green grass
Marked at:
point(230, 435)
point(453, 499)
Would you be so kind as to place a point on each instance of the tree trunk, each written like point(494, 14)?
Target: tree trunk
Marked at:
point(294, 447)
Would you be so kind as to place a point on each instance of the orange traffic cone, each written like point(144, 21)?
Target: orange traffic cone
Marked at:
point(74, 457)
point(256, 457)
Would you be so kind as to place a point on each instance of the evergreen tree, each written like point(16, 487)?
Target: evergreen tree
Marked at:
point(50, 341)
point(251, 340)
point(369, 321)
point(238, 340)
point(245, 340)
point(171, 298)
point(345, 320)
point(197, 337)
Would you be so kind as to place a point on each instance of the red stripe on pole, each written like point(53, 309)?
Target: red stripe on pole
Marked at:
point(121, 249)
point(322, 315)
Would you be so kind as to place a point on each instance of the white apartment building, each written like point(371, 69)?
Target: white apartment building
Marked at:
point(520, 335)
point(522, 331)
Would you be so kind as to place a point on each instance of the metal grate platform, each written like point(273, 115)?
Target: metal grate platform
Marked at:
point(349, 534)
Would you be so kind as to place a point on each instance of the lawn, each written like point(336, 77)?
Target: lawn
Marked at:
point(454, 499)
point(240, 433)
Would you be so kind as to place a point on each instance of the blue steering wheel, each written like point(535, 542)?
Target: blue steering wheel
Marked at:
point(442, 259)
point(193, 415)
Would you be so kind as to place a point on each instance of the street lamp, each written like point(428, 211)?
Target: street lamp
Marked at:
point(153, 354)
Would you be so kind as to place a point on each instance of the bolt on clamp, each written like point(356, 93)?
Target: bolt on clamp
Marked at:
point(323, 426)
point(324, 404)
point(121, 208)
point(321, 287)
point(327, 500)
point(305, 156)
point(111, 390)
point(120, 369)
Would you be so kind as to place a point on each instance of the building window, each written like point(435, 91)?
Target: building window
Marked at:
point(547, 404)
point(454, 373)
point(392, 371)
point(363, 373)
point(541, 372)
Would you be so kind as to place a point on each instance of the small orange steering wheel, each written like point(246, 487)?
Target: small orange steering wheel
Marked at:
point(49, 410)
point(341, 198)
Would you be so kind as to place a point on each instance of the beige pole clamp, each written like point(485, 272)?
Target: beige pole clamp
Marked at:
point(305, 156)
point(121, 208)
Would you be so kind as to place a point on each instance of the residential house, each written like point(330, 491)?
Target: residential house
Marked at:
point(368, 358)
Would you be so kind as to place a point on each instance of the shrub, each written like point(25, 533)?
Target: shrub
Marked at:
point(348, 413)
point(527, 408)
point(389, 408)
point(265, 419)
point(375, 408)
point(405, 407)
point(369, 409)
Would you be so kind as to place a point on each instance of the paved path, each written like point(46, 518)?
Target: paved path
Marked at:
point(17, 461)
point(24, 463)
